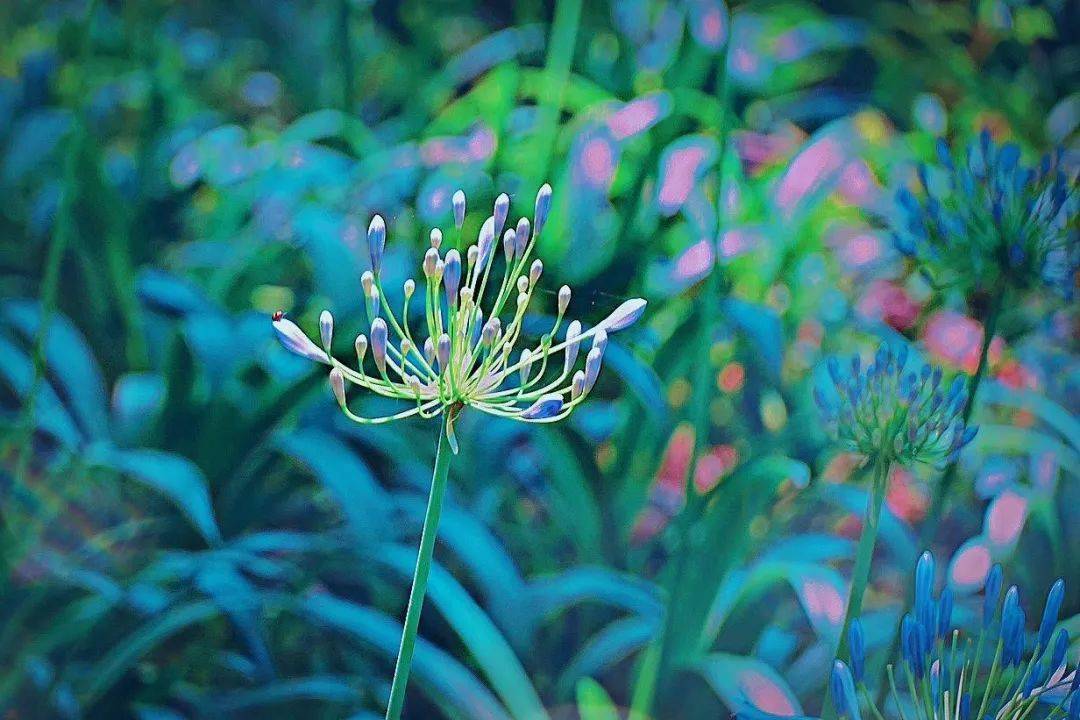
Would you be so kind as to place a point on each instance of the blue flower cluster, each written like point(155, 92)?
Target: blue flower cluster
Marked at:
point(905, 415)
point(983, 218)
point(947, 677)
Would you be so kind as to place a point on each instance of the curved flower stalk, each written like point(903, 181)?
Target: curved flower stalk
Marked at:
point(890, 414)
point(462, 355)
point(985, 219)
point(943, 674)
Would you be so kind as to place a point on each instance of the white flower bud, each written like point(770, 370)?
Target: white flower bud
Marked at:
point(337, 385)
point(564, 298)
point(436, 238)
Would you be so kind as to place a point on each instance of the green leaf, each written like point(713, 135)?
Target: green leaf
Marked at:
point(593, 702)
point(445, 681)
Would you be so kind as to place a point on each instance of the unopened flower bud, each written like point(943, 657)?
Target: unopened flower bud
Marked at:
point(337, 385)
point(326, 328)
point(443, 352)
point(526, 365)
point(429, 350)
point(509, 242)
point(431, 257)
point(367, 281)
point(536, 270)
point(436, 238)
point(452, 274)
point(542, 207)
point(521, 237)
point(572, 345)
point(458, 201)
point(376, 236)
point(577, 387)
point(471, 254)
point(502, 207)
point(361, 348)
point(522, 284)
point(592, 368)
point(378, 343)
point(564, 298)
point(409, 288)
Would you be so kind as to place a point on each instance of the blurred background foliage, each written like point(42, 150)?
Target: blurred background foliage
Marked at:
point(191, 530)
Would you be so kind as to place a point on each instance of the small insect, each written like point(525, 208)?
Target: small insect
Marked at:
point(278, 315)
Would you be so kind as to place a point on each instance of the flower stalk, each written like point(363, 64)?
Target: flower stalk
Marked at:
point(420, 576)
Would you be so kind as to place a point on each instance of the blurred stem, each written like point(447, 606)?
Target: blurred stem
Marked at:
point(658, 662)
point(860, 575)
point(348, 71)
point(420, 576)
point(948, 478)
point(64, 230)
point(560, 55)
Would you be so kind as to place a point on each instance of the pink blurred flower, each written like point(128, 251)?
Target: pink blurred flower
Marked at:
point(957, 340)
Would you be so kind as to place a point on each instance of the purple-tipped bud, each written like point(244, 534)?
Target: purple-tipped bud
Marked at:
point(600, 340)
point(367, 281)
point(337, 386)
point(452, 275)
point(546, 407)
point(326, 329)
point(471, 254)
point(431, 261)
point(522, 284)
point(624, 316)
point(857, 643)
point(509, 243)
point(409, 288)
point(360, 344)
point(577, 387)
point(442, 352)
point(592, 368)
point(295, 341)
point(491, 329)
point(429, 351)
point(1050, 613)
point(378, 343)
point(526, 365)
point(502, 208)
point(436, 238)
point(564, 298)
point(573, 330)
point(521, 237)
point(485, 241)
point(376, 238)
point(458, 202)
point(542, 208)
point(535, 271)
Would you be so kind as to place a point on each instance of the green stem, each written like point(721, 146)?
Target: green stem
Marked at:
point(660, 657)
point(941, 490)
point(348, 72)
point(420, 577)
point(860, 575)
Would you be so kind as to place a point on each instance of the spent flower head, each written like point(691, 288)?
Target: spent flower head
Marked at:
point(999, 672)
point(468, 349)
point(886, 409)
point(983, 218)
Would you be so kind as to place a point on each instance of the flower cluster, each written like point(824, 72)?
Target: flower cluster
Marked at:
point(906, 416)
point(944, 677)
point(466, 357)
point(984, 218)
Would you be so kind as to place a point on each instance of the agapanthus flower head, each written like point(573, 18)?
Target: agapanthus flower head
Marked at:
point(468, 349)
point(887, 408)
point(1000, 671)
point(982, 217)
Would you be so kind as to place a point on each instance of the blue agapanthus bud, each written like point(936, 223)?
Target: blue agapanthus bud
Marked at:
point(857, 645)
point(452, 275)
point(293, 339)
point(442, 352)
point(1050, 613)
point(843, 691)
point(543, 207)
point(1033, 678)
point(485, 241)
point(991, 595)
point(458, 201)
point(924, 587)
point(546, 407)
point(376, 237)
point(624, 316)
point(1060, 647)
point(521, 237)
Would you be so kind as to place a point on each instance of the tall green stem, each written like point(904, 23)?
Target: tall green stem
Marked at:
point(860, 575)
point(420, 576)
point(941, 490)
